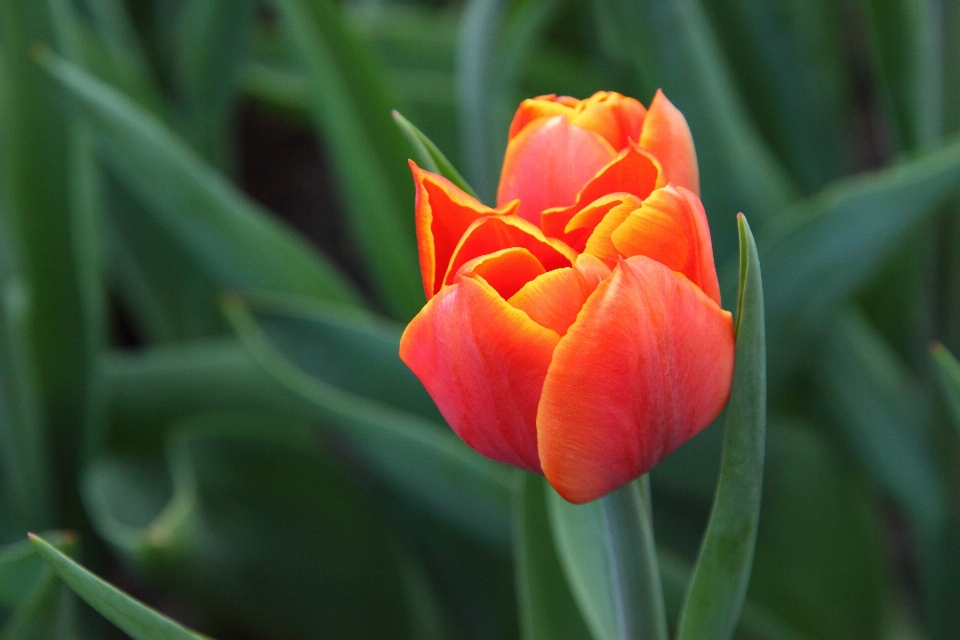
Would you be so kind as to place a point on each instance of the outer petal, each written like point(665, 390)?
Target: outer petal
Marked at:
point(633, 171)
point(494, 233)
point(667, 136)
point(548, 162)
point(443, 213)
point(647, 365)
point(671, 227)
point(483, 362)
point(554, 299)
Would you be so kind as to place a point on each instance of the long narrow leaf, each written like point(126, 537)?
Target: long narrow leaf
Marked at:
point(948, 370)
point(352, 113)
point(241, 245)
point(719, 586)
point(427, 463)
point(133, 617)
point(429, 156)
point(817, 253)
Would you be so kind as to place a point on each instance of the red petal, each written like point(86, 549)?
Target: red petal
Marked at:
point(548, 162)
point(443, 213)
point(667, 136)
point(494, 233)
point(554, 299)
point(507, 270)
point(633, 171)
point(647, 365)
point(483, 363)
point(671, 227)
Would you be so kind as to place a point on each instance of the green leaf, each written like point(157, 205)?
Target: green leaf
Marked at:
point(35, 176)
point(792, 64)
point(132, 616)
point(884, 413)
point(548, 610)
point(670, 45)
point(238, 242)
point(213, 43)
point(719, 586)
point(608, 554)
point(347, 94)
point(417, 457)
point(833, 582)
point(147, 390)
point(906, 36)
point(817, 253)
point(429, 156)
point(251, 516)
point(948, 375)
point(348, 349)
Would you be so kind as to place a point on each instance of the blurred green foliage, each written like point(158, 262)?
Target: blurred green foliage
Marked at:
point(216, 406)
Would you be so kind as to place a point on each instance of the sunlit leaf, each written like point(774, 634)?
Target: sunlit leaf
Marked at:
point(428, 155)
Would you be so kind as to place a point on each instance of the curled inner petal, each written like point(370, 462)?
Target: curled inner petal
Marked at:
point(671, 227)
point(494, 233)
point(633, 171)
point(506, 270)
point(443, 213)
point(554, 299)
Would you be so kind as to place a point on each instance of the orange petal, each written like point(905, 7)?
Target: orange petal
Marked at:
point(507, 270)
point(667, 136)
point(541, 107)
point(633, 171)
point(671, 227)
point(494, 233)
point(443, 213)
point(617, 118)
point(582, 226)
point(599, 243)
point(483, 363)
point(548, 162)
point(647, 365)
point(554, 299)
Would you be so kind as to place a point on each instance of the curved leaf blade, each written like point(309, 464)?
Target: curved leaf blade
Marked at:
point(948, 370)
point(132, 616)
point(718, 589)
point(430, 157)
point(227, 232)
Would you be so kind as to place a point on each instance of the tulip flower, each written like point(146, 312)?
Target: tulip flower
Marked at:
point(576, 329)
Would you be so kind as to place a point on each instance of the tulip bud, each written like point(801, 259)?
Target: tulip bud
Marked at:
point(576, 330)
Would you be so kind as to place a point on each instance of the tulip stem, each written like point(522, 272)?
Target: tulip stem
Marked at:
point(632, 554)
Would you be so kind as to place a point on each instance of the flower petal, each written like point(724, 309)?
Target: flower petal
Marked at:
point(548, 162)
point(507, 270)
point(667, 136)
point(617, 118)
point(647, 365)
point(494, 233)
point(541, 107)
point(671, 227)
point(554, 299)
point(443, 213)
point(633, 171)
point(483, 362)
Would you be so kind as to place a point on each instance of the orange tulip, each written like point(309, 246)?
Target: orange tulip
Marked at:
point(575, 330)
